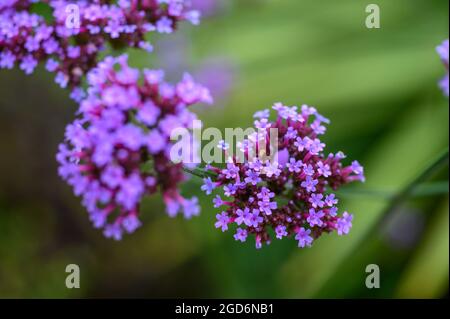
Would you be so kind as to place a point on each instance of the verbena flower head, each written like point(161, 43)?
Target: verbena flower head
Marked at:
point(70, 47)
point(118, 151)
point(291, 197)
point(442, 50)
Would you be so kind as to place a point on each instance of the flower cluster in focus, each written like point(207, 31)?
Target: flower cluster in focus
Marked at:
point(70, 44)
point(118, 151)
point(291, 196)
point(442, 50)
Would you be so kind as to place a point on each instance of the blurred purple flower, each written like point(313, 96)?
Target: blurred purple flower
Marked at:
point(442, 50)
point(113, 158)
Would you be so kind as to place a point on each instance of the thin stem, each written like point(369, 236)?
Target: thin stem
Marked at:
point(425, 189)
point(437, 164)
point(408, 190)
point(198, 172)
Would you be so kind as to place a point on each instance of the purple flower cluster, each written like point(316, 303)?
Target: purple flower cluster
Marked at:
point(118, 151)
point(442, 50)
point(70, 46)
point(290, 196)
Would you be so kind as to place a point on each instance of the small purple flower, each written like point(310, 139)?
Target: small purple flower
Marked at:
point(308, 170)
point(304, 238)
point(28, 64)
point(222, 221)
point(7, 60)
point(315, 218)
point(243, 216)
point(131, 223)
point(443, 51)
point(294, 165)
point(164, 25)
point(264, 114)
point(241, 235)
point(318, 128)
point(344, 224)
point(208, 186)
point(113, 176)
point(113, 231)
point(191, 207)
point(316, 147)
point(309, 184)
point(148, 114)
point(252, 177)
point(280, 231)
point(323, 169)
point(230, 189)
point(316, 200)
point(255, 219)
point(331, 200)
point(217, 201)
point(303, 144)
point(232, 171)
point(265, 194)
point(267, 206)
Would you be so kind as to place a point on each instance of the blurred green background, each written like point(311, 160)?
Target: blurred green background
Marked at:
point(378, 86)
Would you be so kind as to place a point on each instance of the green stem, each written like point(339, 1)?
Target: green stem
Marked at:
point(410, 189)
point(198, 172)
point(425, 189)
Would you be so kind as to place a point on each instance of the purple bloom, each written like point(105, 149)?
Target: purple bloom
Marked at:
point(131, 223)
point(230, 189)
point(28, 64)
point(148, 114)
point(252, 177)
point(23, 32)
point(304, 238)
point(331, 200)
point(294, 166)
point(265, 194)
point(323, 169)
point(113, 176)
point(217, 201)
point(113, 157)
point(264, 114)
point(309, 184)
point(243, 216)
point(7, 60)
point(232, 171)
point(208, 186)
point(191, 207)
point(241, 235)
point(254, 219)
point(222, 221)
point(315, 218)
point(303, 143)
point(316, 146)
point(267, 206)
point(443, 50)
point(316, 200)
point(284, 197)
point(344, 224)
point(280, 231)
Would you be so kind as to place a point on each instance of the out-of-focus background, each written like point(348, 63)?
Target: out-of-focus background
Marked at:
point(378, 86)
